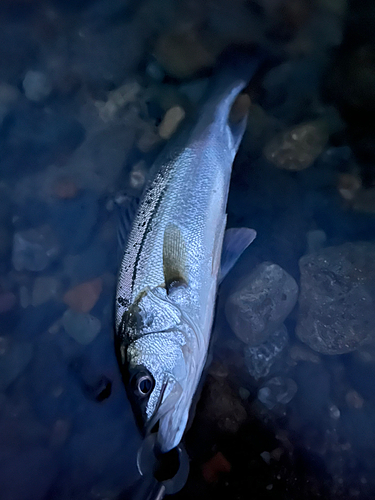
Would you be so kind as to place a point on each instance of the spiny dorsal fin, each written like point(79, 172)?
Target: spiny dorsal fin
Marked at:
point(126, 207)
point(174, 258)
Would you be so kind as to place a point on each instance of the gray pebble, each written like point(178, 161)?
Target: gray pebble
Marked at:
point(155, 71)
point(45, 288)
point(260, 359)
point(36, 86)
point(277, 391)
point(83, 328)
point(14, 358)
point(260, 303)
point(27, 473)
point(34, 249)
point(316, 240)
point(194, 90)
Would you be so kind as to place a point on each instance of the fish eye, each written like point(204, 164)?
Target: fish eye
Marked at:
point(143, 383)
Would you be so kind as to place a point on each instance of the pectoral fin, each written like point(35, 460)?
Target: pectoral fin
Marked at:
point(174, 258)
point(236, 240)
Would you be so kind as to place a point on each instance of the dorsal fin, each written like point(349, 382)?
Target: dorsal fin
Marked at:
point(126, 207)
point(174, 258)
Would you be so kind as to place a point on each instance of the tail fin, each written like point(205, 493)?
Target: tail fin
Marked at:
point(232, 74)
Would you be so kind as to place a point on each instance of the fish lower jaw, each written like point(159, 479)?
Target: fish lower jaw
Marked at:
point(171, 430)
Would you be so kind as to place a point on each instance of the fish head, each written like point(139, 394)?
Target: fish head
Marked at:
point(159, 373)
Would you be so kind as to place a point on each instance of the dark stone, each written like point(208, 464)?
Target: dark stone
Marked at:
point(35, 320)
point(336, 304)
point(26, 474)
point(260, 359)
point(75, 217)
point(260, 303)
point(33, 138)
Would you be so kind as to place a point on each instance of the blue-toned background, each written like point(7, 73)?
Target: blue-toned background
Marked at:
point(90, 91)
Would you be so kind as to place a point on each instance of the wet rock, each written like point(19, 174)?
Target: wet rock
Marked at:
point(82, 327)
point(65, 188)
point(216, 466)
point(300, 352)
point(334, 412)
point(316, 240)
point(243, 393)
point(260, 359)
point(194, 90)
point(266, 456)
point(24, 296)
point(222, 406)
point(34, 249)
point(83, 297)
point(14, 358)
point(260, 303)
point(117, 100)
point(354, 400)
point(102, 455)
point(102, 57)
point(5, 240)
point(358, 427)
point(100, 13)
point(99, 161)
point(348, 186)
point(35, 320)
point(183, 54)
point(37, 137)
point(45, 288)
point(18, 48)
point(336, 303)
point(297, 148)
point(27, 473)
point(149, 139)
point(60, 433)
point(137, 176)
point(36, 86)
point(94, 385)
point(170, 122)
point(75, 217)
point(53, 392)
point(313, 397)
point(277, 391)
point(238, 24)
point(8, 96)
point(154, 71)
point(364, 201)
point(87, 265)
point(7, 301)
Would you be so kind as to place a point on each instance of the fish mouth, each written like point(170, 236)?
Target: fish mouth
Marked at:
point(152, 425)
point(163, 422)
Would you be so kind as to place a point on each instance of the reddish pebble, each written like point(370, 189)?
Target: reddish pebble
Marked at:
point(7, 301)
point(83, 297)
point(65, 189)
point(214, 467)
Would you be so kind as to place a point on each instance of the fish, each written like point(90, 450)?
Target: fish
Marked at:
point(176, 253)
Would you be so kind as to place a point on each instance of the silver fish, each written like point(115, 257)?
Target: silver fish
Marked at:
point(169, 273)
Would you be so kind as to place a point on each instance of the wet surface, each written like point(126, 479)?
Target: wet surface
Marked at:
point(90, 91)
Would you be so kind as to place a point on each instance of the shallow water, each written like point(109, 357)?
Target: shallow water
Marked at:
point(84, 87)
